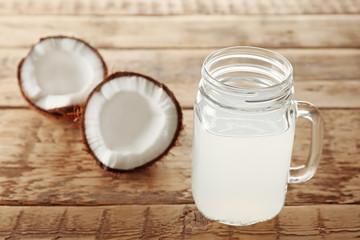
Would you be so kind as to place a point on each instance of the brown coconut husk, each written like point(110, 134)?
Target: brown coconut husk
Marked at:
point(69, 112)
point(173, 143)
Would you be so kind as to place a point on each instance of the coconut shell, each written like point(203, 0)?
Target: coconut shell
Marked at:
point(69, 112)
point(165, 152)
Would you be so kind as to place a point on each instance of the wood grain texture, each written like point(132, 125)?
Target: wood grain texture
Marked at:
point(174, 222)
point(51, 189)
point(325, 77)
point(179, 7)
point(42, 163)
point(187, 31)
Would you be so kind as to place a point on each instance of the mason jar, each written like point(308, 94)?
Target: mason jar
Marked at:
point(244, 125)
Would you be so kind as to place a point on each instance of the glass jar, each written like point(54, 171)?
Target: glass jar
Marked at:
point(244, 125)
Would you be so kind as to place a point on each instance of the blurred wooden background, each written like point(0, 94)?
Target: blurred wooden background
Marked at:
point(51, 189)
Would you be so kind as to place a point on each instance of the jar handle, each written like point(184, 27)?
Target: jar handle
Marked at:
point(305, 172)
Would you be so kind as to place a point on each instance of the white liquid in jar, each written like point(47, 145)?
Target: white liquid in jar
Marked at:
point(240, 181)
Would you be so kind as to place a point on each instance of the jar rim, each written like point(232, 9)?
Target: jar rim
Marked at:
point(266, 52)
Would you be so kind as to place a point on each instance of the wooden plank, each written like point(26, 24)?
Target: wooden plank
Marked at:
point(188, 31)
point(174, 65)
point(325, 93)
point(42, 163)
point(175, 222)
point(329, 94)
point(326, 77)
point(179, 7)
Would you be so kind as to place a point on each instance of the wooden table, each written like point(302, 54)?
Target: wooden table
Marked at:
point(51, 189)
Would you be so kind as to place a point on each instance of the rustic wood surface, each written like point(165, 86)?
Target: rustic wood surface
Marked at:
point(174, 222)
point(190, 31)
point(39, 158)
point(51, 189)
point(179, 7)
point(331, 73)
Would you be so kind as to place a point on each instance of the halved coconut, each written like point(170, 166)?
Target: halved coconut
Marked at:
point(59, 73)
point(130, 120)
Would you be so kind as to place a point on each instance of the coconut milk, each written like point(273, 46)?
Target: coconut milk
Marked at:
point(240, 181)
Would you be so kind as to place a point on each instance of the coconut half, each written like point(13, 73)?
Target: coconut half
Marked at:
point(130, 120)
point(59, 73)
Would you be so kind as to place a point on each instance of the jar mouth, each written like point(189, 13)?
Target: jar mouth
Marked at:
point(266, 69)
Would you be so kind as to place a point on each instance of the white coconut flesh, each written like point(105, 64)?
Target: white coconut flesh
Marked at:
point(129, 122)
point(60, 72)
